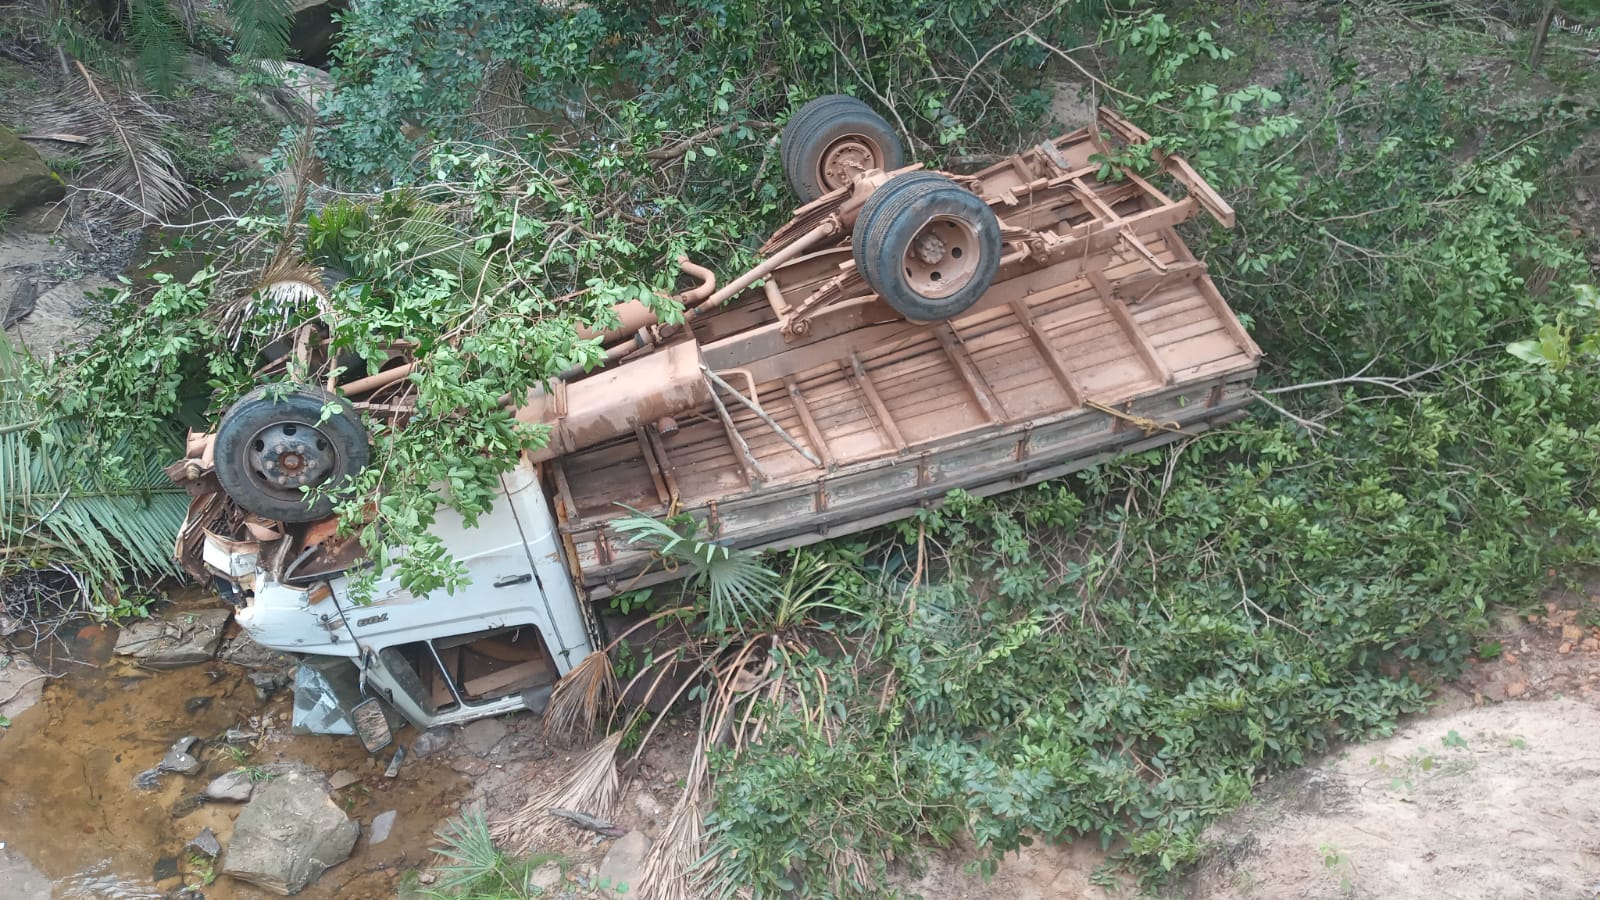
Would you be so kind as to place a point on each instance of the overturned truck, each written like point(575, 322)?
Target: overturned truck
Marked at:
point(907, 333)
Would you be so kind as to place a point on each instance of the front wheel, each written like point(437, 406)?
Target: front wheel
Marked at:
point(927, 246)
point(273, 442)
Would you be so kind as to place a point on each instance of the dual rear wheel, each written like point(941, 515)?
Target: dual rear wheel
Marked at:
point(927, 246)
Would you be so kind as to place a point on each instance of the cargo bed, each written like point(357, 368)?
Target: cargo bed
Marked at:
point(1104, 335)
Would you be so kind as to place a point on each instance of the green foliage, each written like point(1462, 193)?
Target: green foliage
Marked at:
point(736, 585)
point(158, 34)
point(475, 869)
point(94, 502)
point(1120, 656)
point(411, 71)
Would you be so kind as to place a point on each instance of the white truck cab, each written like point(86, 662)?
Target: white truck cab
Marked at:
point(495, 646)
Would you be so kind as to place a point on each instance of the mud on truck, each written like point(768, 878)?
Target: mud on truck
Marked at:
point(907, 332)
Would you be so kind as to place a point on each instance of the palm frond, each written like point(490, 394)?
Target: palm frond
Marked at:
point(591, 787)
point(128, 164)
point(104, 509)
point(156, 39)
point(581, 694)
point(261, 27)
point(739, 587)
point(674, 862)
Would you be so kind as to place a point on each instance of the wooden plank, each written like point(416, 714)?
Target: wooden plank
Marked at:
point(981, 392)
point(1041, 344)
point(527, 673)
point(1141, 342)
point(857, 374)
point(818, 443)
point(650, 463)
point(664, 463)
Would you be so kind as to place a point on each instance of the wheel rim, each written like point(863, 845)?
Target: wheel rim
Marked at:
point(942, 257)
point(286, 456)
point(846, 159)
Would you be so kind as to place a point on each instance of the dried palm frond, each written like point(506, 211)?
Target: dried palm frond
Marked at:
point(669, 871)
point(591, 787)
point(579, 696)
point(127, 169)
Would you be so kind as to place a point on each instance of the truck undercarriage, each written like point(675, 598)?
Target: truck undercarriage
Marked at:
point(907, 333)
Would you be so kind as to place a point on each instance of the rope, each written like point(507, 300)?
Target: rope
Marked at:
point(1147, 425)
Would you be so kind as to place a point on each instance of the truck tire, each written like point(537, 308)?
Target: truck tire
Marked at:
point(270, 443)
point(927, 246)
point(831, 141)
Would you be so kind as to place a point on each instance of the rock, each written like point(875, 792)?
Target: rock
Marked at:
point(234, 787)
point(543, 880)
point(243, 651)
point(178, 758)
point(238, 736)
point(619, 871)
point(205, 842)
point(342, 779)
point(197, 704)
point(21, 685)
point(1517, 689)
point(299, 89)
point(25, 181)
point(288, 835)
point(470, 766)
point(314, 29)
point(1572, 633)
point(382, 824)
point(267, 684)
point(431, 741)
point(183, 639)
point(647, 804)
point(1565, 648)
point(481, 736)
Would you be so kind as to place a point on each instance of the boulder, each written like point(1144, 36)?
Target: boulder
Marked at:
point(480, 737)
point(25, 181)
point(181, 639)
point(288, 835)
point(206, 842)
point(21, 685)
point(431, 741)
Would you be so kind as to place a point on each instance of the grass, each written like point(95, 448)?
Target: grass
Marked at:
point(472, 867)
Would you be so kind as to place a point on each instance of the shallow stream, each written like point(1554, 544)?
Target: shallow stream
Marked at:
point(71, 813)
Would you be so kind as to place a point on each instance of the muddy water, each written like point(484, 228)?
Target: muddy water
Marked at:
point(69, 808)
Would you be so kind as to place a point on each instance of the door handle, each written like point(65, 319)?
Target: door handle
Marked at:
point(513, 580)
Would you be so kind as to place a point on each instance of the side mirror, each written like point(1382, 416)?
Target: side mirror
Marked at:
point(372, 724)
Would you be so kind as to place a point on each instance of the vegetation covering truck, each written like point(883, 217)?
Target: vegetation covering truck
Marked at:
point(907, 333)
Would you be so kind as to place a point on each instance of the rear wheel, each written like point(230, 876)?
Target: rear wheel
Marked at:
point(271, 443)
point(833, 140)
point(927, 246)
